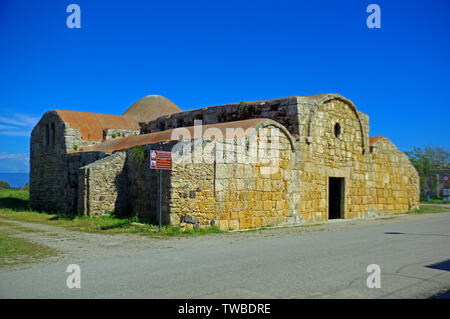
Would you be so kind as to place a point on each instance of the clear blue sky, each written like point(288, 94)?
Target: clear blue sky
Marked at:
point(201, 53)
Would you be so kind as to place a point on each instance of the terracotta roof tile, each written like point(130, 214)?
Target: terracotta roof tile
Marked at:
point(374, 139)
point(116, 144)
point(91, 125)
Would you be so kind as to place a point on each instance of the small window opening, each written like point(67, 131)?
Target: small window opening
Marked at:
point(53, 134)
point(337, 130)
point(47, 135)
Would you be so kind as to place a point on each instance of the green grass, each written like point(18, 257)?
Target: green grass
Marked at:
point(434, 201)
point(15, 250)
point(430, 209)
point(14, 205)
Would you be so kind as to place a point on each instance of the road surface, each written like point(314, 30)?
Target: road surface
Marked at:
point(323, 261)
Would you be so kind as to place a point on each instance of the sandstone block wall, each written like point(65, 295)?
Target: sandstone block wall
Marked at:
point(234, 194)
point(373, 183)
point(330, 156)
point(395, 187)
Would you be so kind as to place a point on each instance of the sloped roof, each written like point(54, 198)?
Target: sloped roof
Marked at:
point(151, 107)
point(91, 125)
point(121, 143)
point(374, 139)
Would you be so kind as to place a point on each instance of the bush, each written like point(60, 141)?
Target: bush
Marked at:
point(139, 153)
point(4, 185)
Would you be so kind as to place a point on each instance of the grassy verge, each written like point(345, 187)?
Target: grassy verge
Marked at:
point(15, 250)
point(430, 209)
point(14, 206)
point(434, 201)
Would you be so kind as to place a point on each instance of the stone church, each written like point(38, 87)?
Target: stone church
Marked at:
point(317, 163)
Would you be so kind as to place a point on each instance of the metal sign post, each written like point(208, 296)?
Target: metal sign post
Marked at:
point(160, 197)
point(160, 160)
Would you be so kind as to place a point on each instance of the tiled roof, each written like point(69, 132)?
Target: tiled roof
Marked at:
point(121, 143)
point(374, 139)
point(91, 125)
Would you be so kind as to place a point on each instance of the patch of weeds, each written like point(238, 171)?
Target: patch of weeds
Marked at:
point(139, 153)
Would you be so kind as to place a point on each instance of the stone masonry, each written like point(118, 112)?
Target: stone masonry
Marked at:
point(322, 164)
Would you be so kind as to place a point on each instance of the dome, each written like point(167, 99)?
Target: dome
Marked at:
point(151, 107)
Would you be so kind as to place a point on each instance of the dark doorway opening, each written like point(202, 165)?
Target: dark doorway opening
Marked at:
point(336, 198)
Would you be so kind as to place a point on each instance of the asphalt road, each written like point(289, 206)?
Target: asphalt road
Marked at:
point(413, 254)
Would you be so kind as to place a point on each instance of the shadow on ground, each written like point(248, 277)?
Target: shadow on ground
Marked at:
point(443, 265)
point(399, 233)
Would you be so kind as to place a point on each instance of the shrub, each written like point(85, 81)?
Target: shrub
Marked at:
point(4, 185)
point(243, 103)
point(139, 153)
point(75, 147)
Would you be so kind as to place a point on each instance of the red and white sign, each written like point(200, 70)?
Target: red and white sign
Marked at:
point(160, 160)
point(445, 178)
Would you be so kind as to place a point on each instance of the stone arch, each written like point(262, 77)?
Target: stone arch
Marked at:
point(333, 96)
point(281, 127)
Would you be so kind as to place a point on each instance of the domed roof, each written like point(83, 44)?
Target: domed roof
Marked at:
point(151, 107)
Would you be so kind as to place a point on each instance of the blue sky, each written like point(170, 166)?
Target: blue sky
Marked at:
point(202, 53)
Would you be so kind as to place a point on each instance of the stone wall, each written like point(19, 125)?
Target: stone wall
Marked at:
point(395, 187)
point(53, 172)
point(143, 187)
point(123, 184)
point(284, 111)
point(74, 140)
point(318, 139)
point(192, 197)
point(329, 156)
point(99, 185)
point(235, 194)
point(346, 156)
